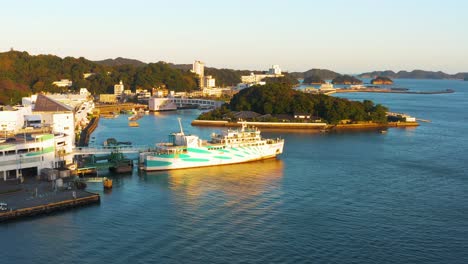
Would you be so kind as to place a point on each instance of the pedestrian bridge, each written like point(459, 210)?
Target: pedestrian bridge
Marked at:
point(109, 149)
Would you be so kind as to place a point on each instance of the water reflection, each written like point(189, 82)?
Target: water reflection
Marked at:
point(239, 180)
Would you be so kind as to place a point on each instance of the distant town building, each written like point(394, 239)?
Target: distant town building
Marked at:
point(254, 79)
point(199, 68)
point(275, 69)
point(118, 89)
point(84, 92)
point(209, 82)
point(88, 74)
point(63, 83)
point(143, 95)
point(108, 98)
point(216, 92)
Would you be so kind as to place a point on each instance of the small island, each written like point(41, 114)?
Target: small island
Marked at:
point(381, 80)
point(313, 79)
point(346, 80)
point(277, 105)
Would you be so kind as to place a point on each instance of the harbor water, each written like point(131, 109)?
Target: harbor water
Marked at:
point(348, 197)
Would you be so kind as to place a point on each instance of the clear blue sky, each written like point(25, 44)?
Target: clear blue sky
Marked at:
point(342, 35)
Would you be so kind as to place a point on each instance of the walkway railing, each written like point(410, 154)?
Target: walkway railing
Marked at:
point(110, 149)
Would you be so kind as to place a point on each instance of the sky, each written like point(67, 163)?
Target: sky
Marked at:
point(342, 35)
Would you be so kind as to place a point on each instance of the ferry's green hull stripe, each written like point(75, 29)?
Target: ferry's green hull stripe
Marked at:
point(222, 157)
point(196, 160)
point(200, 151)
point(172, 156)
point(157, 163)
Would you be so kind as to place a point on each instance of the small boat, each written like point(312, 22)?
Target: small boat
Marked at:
point(383, 131)
point(133, 124)
point(107, 183)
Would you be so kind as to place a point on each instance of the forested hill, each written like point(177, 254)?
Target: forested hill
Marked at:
point(120, 61)
point(22, 74)
point(415, 74)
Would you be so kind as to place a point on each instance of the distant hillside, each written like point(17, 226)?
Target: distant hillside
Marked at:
point(320, 73)
point(120, 61)
point(415, 74)
point(22, 74)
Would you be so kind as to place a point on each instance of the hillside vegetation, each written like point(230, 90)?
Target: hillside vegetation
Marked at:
point(22, 74)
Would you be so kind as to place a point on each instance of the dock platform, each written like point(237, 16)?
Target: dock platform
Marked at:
point(40, 199)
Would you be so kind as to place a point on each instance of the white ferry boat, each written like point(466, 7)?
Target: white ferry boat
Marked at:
point(232, 146)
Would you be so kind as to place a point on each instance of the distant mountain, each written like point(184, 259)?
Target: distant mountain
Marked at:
point(323, 74)
point(415, 74)
point(120, 61)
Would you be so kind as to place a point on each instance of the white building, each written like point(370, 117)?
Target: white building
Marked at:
point(199, 68)
point(84, 92)
point(209, 82)
point(118, 89)
point(275, 69)
point(63, 83)
point(253, 78)
point(12, 118)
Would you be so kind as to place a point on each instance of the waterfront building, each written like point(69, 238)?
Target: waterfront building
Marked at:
point(26, 156)
point(118, 89)
point(63, 83)
point(327, 88)
point(156, 104)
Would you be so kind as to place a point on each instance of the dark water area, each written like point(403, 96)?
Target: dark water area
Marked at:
point(354, 197)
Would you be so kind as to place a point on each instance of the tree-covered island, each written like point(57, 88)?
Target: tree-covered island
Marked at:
point(275, 100)
point(381, 80)
point(347, 80)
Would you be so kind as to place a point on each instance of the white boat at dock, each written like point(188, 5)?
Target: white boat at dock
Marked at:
point(232, 146)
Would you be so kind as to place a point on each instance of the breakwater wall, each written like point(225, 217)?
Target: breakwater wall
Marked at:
point(309, 126)
point(85, 133)
point(259, 124)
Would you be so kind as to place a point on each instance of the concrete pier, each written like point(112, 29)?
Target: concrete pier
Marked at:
point(40, 198)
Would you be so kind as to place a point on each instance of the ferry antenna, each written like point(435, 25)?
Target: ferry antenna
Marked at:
point(180, 125)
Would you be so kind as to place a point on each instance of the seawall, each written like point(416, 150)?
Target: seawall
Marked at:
point(308, 126)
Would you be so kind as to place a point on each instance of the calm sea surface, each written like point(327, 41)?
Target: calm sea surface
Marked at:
point(360, 197)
